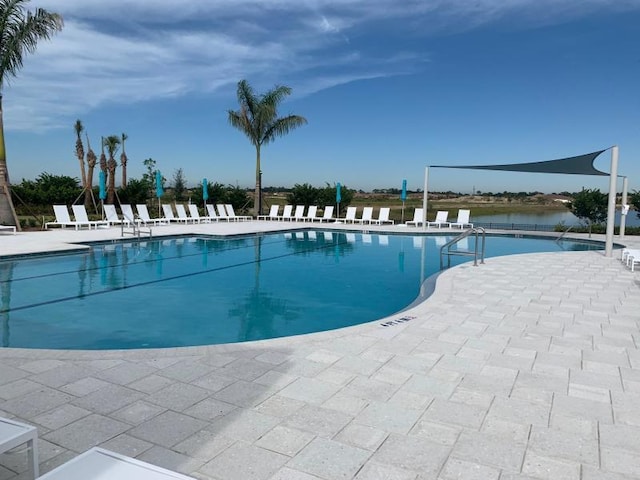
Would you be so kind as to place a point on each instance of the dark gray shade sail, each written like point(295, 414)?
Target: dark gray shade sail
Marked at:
point(579, 165)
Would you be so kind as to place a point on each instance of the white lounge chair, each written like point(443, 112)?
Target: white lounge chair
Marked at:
point(440, 220)
point(80, 214)
point(111, 215)
point(182, 214)
point(168, 215)
point(367, 216)
point(195, 214)
point(13, 434)
point(222, 213)
point(127, 213)
point(232, 214)
point(327, 215)
point(101, 464)
point(273, 213)
point(62, 218)
point(9, 228)
point(286, 214)
point(383, 216)
point(417, 217)
point(143, 216)
point(351, 215)
point(299, 213)
point(211, 212)
point(312, 214)
point(463, 219)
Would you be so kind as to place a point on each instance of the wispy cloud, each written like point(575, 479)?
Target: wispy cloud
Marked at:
point(131, 51)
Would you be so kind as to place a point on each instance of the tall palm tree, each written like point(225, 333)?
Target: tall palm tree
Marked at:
point(80, 151)
point(91, 165)
point(20, 32)
point(258, 119)
point(103, 157)
point(123, 161)
point(111, 142)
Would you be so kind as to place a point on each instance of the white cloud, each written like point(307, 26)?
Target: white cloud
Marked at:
point(131, 51)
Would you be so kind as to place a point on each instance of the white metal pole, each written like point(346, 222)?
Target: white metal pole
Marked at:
point(625, 210)
point(424, 198)
point(611, 210)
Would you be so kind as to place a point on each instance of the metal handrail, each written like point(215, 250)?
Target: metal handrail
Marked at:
point(564, 233)
point(136, 229)
point(477, 231)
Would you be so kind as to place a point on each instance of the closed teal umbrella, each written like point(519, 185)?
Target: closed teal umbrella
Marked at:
point(159, 189)
point(338, 199)
point(205, 191)
point(102, 181)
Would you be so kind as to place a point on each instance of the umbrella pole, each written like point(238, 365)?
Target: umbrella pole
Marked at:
point(402, 212)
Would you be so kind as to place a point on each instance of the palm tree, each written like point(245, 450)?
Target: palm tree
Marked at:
point(258, 119)
point(91, 165)
point(111, 142)
point(123, 162)
point(80, 151)
point(103, 157)
point(20, 31)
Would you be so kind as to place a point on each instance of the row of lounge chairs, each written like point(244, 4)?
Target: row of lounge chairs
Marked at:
point(288, 214)
point(63, 219)
point(441, 219)
point(631, 257)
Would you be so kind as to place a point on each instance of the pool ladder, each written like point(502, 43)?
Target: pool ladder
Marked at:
point(479, 234)
point(136, 229)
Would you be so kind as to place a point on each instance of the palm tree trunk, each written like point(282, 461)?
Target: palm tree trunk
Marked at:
point(257, 203)
point(7, 211)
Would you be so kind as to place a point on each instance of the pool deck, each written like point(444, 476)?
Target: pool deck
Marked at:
point(527, 367)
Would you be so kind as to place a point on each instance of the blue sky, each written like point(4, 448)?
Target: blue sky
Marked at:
point(387, 88)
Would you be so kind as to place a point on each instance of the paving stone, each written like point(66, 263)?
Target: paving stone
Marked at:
point(187, 370)
point(178, 396)
point(150, 383)
point(286, 473)
point(330, 460)
point(84, 386)
point(127, 445)
point(125, 372)
point(245, 369)
point(137, 412)
point(375, 471)
point(519, 411)
point(35, 402)
point(319, 421)
point(547, 468)
point(167, 429)
point(278, 406)
point(108, 399)
point(412, 453)
point(362, 436)
point(244, 461)
point(61, 416)
point(214, 382)
point(285, 440)
point(582, 408)
point(86, 432)
point(17, 388)
point(243, 394)
point(442, 411)
point(388, 417)
point(456, 469)
point(309, 390)
point(346, 403)
point(369, 389)
point(39, 366)
point(204, 445)
point(548, 442)
point(61, 375)
point(246, 425)
point(485, 449)
point(170, 460)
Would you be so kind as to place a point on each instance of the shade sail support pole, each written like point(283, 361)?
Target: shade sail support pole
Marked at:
point(424, 198)
point(625, 206)
point(611, 210)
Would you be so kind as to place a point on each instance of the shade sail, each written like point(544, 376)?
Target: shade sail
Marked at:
point(579, 165)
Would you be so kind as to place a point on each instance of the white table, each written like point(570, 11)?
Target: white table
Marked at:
point(14, 433)
point(101, 464)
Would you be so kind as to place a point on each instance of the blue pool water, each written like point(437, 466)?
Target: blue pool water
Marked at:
point(206, 290)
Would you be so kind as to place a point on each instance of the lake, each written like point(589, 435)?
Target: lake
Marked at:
point(547, 218)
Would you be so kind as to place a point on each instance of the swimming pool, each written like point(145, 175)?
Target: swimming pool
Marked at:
point(205, 290)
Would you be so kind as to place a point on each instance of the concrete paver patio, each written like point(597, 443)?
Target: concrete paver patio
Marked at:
point(527, 367)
